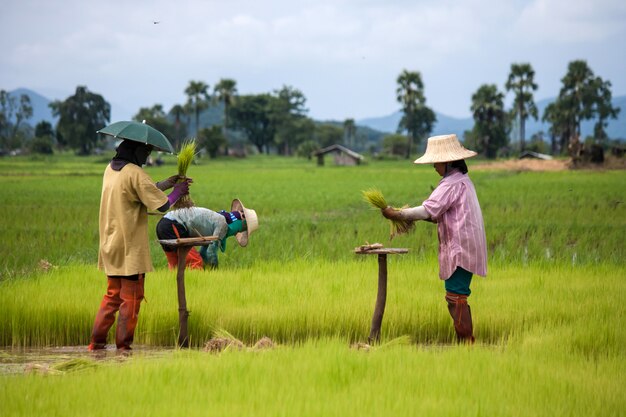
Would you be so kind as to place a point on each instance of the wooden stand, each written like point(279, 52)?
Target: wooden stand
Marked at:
point(381, 296)
point(183, 246)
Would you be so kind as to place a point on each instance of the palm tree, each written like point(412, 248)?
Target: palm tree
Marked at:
point(561, 119)
point(198, 98)
point(225, 92)
point(490, 119)
point(177, 110)
point(418, 119)
point(349, 130)
point(604, 108)
point(521, 82)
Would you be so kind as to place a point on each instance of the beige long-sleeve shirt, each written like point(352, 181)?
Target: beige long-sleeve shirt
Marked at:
point(127, 195)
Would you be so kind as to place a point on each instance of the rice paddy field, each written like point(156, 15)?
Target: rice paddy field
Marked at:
point(548, 319)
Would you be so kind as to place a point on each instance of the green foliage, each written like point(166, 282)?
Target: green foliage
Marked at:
point(276, 119)
point(44, 139)
point(522, 82)
point(212, 139)
point(288, 114)
point(306, 149)
point(327, 134)
point(349, 133)
point(12, 114)
point(197, 99)
point(225, 92)
point(417, 119)
point(537, 144)
point(177, 116)
point(80, 117)
point(156, 117)
point(583, 96)
point(491, 123)
point(395, 145)
point(42, 144)
point(251, 114)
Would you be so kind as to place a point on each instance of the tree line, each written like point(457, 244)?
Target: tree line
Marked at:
point(583, 96)
point(225, 122)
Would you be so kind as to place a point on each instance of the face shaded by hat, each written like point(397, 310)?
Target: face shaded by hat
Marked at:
point(444, 148)
point(251, 221)
point(132, 152)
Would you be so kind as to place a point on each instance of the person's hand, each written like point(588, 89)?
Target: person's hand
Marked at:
point(168, 183)
point(180, 189)
point(391, 213)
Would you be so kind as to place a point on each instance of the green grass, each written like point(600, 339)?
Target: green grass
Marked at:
point(573, 308)
point(325, 378)
point(51, 210)
point(547, 319)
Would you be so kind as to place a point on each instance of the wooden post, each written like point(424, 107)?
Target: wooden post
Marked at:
point(183, 246)
point(381, 295)
point(381, 299)
point(183, 314)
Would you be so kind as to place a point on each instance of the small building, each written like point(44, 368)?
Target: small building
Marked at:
point(534, 155)
point(341, 155)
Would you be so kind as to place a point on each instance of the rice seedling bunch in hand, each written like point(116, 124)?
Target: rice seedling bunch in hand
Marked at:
point(185, 157)
point(377, 200)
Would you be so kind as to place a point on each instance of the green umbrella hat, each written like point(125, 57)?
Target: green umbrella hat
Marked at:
point(138, 132)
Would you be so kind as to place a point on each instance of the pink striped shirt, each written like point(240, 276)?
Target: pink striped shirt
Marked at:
point(462, 242)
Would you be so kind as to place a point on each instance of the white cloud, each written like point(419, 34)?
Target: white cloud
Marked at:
point(343, 54)
point(571, 21)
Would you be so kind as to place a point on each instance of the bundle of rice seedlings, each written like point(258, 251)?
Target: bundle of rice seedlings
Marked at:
point(223, 340)
point(185, 157)
point(375, 197)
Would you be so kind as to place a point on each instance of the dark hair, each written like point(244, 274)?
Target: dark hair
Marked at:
point(460, 164)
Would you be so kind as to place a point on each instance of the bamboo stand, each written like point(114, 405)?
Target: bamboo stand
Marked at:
point(183, 246)
point(381, 296)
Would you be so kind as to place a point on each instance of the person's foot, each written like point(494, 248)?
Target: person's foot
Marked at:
point(96, 346)
point(124, 351)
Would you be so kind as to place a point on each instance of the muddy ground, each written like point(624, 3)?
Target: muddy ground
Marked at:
point(610, 163)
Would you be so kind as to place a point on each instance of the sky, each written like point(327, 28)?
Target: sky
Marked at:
point(343, 55)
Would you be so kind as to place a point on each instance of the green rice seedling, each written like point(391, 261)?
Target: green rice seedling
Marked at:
point(553, 218)
point(326, 378)
point(291, 302)
point(547, 322)
point(184, 160)
point(74, 365)
point(377, 200)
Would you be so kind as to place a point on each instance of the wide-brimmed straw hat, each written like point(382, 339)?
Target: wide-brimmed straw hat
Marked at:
point(444, 148)
point(252, 221)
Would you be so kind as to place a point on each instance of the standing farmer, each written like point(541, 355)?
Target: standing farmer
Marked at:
point(124, 255)
point(454, 206)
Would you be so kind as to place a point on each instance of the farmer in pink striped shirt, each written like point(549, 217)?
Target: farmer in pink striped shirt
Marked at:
point(454, 206)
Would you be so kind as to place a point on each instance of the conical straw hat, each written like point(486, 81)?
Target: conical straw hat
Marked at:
point(252, 221)
point(444, 148)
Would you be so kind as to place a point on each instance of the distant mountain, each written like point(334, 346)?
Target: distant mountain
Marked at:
point(445, 124)
point(41, 110)
point(616, 128)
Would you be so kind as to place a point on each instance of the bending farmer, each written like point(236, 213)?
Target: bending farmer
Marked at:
point(124, 254)
point(198, 221)
point(454, 206)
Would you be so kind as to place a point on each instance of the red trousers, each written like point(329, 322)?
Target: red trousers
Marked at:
point(193, 260)
point(123, 296)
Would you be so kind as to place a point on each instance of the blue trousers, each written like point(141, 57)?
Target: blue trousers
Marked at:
point(459, 282)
